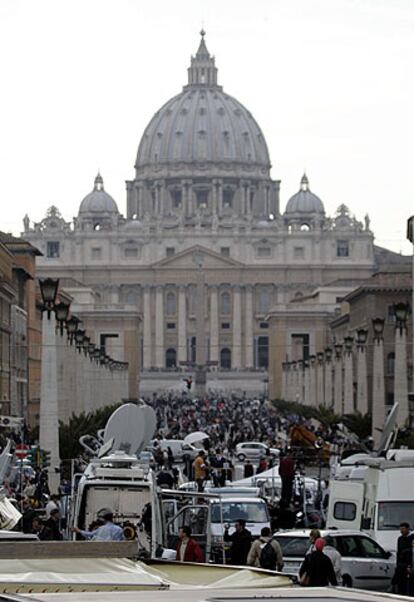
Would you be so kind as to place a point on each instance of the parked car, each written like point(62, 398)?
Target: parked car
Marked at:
point(254, 450)
point(365, 564)
point(179, 448)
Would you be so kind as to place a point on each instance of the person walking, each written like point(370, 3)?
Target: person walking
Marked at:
point(334, 556)
point(241, 540)
point(404, 544)
point(248, 469)
point(266, 552)
point(287, 475)
point(188, 549)
point(317, 569)
point(200, 470)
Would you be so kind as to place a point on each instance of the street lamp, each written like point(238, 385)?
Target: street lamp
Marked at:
point(378, 326)
point(61, 313)
point(320, 357)
point(348, 342)
point(338, 350)
point(362, 336)
point(401, 313)
point(71, 327)
point(79, 336)
point(85, 344)
point(48, 290)
point(328, 353)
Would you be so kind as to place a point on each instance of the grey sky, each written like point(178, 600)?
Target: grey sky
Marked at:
point(329, 81)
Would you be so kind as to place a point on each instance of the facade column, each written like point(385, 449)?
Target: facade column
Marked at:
point(293, 389)
point(328, 378)
point(248, 327)
point(338, 405)
point(378, 382)
point(236, 353)
point(306, 384)
point(214, 198)
point(400, 373)
point(362, 379)
point(214, 326)
point(285, 376)
point(159, 327)
point(299, 382)
point(312, 381)
point(182, 325)
point(320, 397)
point(348, 376)
point(146, 327)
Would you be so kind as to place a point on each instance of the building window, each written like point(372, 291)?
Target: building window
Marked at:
point(263, 352)
point(106, 342)
point(391, 364)
point(171, 304)
point(225, 303)
point(263, 252)
point(176, 197)
point(264, 301)
point(202, 199)
point(391, 313)
point(300, 346)
point(170, 325)
point(225, 325)
point(339, 299)
point(53, 249)
point(96, 253)
point(225, 251)
point(228, 195)
point(170, 251)
point(298, 252)
point(131, 252)
point(342, 248)
point(225, 359)
point(131, 298)
point(264, 324)
point(171, 358)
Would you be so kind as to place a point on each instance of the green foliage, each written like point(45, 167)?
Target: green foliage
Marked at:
point(360, 424)
point(82, 424)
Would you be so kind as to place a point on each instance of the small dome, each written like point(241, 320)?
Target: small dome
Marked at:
point(98, 201)
point(133, 224)
point(304, 201)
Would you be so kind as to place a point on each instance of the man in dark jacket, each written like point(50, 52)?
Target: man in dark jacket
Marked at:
point(241, 540)
point(287, 475)
point(51, 530)
point(404, 542)
point(317, 569)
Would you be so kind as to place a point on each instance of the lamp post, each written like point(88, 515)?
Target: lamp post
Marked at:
point(400, 373)
point(378, 384)
point(348, 375)
point(328, 376)
point(362, 381)
point(338, 393)
point(49, 418)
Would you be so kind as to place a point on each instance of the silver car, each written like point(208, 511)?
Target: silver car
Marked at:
point(254, 450)
point(365, 564)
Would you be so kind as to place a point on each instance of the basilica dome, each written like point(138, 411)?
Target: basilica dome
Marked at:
point(304, 202)
point(203, 125)
point(98, 201)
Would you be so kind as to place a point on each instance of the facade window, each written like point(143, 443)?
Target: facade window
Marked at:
point(263, 352)
point(298, 252)
point(202, 199)
point(300, 346)
point(391, 314)
point(391, 364)
point(131, 298)
point(107, 343)
point(225, 251)
point(225, 325)
point(171, 304)
point(170, 325)
point(264, 324)
point(170, 251)
point(131, 252)
point(228, 195)
point(171, 358)
point(342, 248)
point(53, 249)
point(264, 301)
point(225, 304)
point(263, 252)
point(176, 197)
point(339, 299)
point(96, 253)
point(225, 359)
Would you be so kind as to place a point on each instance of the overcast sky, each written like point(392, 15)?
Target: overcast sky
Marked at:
point(330, 82)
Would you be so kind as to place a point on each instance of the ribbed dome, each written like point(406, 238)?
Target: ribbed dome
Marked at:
point(304, 201)
point(98, 201)
point(203, 125)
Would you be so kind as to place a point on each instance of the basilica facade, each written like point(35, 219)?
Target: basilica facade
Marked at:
point(202, 197)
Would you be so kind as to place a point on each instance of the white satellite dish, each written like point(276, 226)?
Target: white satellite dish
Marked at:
point(106, 448)
point(388, 431)
point(151, 423)
point(129, 428)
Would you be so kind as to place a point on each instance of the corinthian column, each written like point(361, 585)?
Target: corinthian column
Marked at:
point(214, 329)
point(312, 381)
point(320, 398)
point(362, 381)
point(328, 377)
point(159, 327)
point(182, 326)
point(236, 359)
point(306, 384)
point(378, 383)
point(348, 377)
point(248, 327)
point(147, 359)
point(338, 406)
point(400, 365)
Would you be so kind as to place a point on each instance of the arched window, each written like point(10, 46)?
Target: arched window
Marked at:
point(263, 352)
point(264, 301)
point(171, 304)
point(225, 359)
point(131, 298)
point(225, 304)
point(171, 358)
point(391, 364)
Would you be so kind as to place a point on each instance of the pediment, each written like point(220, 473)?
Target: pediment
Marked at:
point(186, 259)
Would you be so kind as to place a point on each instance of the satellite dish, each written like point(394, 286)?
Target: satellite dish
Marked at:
point(106, 448)
point(151, 423)
point(388, 431)
point(128, 428)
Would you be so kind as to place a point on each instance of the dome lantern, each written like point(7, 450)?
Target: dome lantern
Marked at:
point(202, 71)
